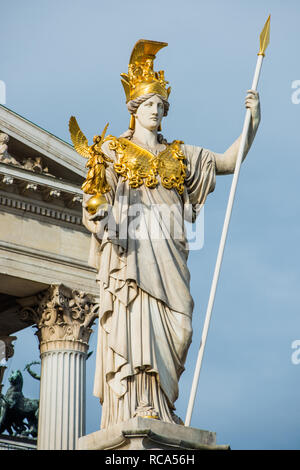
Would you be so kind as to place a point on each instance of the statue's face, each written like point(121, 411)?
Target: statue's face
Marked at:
point(150, 113)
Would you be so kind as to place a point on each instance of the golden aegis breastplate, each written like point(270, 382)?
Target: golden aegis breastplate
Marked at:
point(139, 166)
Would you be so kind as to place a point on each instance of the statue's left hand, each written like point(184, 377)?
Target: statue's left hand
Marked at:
point(101, 212)
point(252, 102)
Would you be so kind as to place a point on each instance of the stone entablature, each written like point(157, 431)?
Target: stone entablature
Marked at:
point(26, 184)
point(42, 239)
point(13, 203)
point(39, 195)
point(27, 176)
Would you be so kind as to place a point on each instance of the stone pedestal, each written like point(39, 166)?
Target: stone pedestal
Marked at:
point(63, 318)
point(149, 434)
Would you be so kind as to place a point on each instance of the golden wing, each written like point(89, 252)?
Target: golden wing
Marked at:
point(136, 164)
point(137, 157)
point(79, 140)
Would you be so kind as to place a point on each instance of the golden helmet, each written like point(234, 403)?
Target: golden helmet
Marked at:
point(141, 78)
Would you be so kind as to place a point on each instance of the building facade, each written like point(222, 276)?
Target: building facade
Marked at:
point(45, 279)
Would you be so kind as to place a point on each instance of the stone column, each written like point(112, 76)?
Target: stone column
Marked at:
point(6, 351)
point(63, 317)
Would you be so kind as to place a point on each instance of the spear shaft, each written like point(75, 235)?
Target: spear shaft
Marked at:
point(264, 41)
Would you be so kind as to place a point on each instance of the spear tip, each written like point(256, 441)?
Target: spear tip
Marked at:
point(264, 38)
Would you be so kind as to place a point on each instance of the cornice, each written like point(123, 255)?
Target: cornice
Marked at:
point(42, 180)
point(42, 141)
point(40, 195)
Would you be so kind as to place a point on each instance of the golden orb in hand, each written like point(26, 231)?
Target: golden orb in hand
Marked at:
point(94, 202)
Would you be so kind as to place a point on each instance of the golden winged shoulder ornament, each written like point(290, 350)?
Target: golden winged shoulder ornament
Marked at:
point(95, 183)
point(139, 166)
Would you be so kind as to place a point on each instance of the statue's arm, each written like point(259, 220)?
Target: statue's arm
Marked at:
point(225, 162)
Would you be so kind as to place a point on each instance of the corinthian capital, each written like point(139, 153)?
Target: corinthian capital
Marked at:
point(61, 314)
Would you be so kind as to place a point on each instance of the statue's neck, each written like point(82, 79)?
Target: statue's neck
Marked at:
point(145, 136)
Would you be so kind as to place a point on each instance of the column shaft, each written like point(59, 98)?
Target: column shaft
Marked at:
point(62, 399)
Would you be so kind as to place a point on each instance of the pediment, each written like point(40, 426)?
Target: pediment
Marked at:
point(33, 149)
point(39, 173)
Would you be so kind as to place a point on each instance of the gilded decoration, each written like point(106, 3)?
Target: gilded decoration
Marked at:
point(141, 78)
point(138, 166)
point(95, 183)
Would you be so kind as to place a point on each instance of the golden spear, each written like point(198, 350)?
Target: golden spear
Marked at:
point(264, 41)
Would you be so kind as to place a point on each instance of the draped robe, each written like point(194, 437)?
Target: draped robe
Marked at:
point(145, 319)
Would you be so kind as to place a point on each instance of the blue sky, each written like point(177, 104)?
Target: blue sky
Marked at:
point(62, 58)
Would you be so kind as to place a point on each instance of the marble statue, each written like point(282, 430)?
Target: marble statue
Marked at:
point(4, 155)
point(3, 144)
point(19, 415)
point(145, 319)
point(32, 164)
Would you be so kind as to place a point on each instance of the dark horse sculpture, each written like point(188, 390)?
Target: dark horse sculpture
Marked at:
point(19, 415)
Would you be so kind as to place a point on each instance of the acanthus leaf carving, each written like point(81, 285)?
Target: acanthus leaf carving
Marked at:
point(61, 314)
